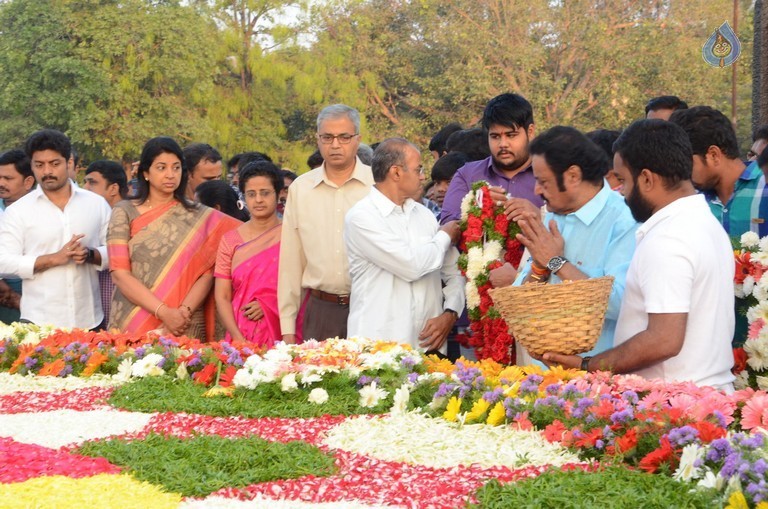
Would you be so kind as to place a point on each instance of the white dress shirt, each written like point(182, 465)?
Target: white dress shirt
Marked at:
point(67, 295)
point(397, 259)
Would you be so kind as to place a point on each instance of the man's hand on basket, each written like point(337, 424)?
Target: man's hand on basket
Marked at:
point(556, 359)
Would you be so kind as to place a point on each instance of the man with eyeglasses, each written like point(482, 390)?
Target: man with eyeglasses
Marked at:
point(313, 260)
point(399, 256)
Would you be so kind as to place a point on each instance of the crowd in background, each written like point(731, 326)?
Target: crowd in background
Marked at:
point(362, 244)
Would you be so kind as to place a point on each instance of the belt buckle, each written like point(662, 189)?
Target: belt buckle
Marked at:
point(343, 300)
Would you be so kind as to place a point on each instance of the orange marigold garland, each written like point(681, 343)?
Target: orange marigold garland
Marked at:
point(488, 240)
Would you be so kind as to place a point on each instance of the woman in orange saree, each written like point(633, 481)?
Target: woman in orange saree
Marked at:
point(247, 261)
point(162, 250)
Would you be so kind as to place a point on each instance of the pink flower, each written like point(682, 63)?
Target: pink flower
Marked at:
point(655, 400)
point(755, 328)
point(755, 412)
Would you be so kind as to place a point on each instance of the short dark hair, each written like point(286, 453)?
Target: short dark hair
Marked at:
point(19, 160)
point(261, 168)
point(437, 143)
point(705, 127)
point(447, 166)
point(666, 102)
point(48, 139)
point(508, 110)
point(388, 153)
point(657, 145)
point(152, 149)
point(197, 152)
point(472, 142)
point(217, 192)
point(113, 173)
point(563, 147)
point(244, 158)
point(604, 138)
point(314, 160)
point(762, 159)
point(288, 174)
point(760, 133)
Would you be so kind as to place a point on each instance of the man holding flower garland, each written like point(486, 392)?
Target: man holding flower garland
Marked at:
point(508, 120)
point(399, 256)
point(676, 319)
point(589, 229)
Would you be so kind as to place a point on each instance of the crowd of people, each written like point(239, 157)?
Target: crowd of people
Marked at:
point(362, 245)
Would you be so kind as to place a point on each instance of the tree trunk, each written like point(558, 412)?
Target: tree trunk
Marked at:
point(760, 66)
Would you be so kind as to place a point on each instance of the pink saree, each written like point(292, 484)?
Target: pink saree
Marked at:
point(254, 278)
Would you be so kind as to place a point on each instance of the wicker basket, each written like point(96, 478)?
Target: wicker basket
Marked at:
point(564, 318)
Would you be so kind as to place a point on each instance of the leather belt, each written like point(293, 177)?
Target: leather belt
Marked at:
point(341, 300)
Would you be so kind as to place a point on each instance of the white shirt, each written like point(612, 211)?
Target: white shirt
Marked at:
point(67, 295)
point(396, 256)
point(683, 263)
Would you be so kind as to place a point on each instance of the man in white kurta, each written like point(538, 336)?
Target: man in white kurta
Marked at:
point(399, 258)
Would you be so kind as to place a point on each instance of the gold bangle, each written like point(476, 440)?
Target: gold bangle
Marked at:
point(158, 309)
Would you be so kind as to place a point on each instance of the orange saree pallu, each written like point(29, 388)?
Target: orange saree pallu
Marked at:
point(168, 249)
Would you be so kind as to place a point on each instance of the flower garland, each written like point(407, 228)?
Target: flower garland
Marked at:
point(488, 240)
point(751, 284)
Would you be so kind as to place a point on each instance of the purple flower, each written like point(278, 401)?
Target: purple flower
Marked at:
point(444, 389)
point(571, 390)
point(622, 416)
point(494, 395)
point(682, 436)
point(530, 384)
point(553, 389)
point(66, 371)
point(413, 378)
point(39, 349)
point(718, 450)
point(511, 406)
point(83, 359)
point(194, 361)
point(599, 444)
point(140, 352)
point(408, 362)
point(30, 361)
point(630, 397)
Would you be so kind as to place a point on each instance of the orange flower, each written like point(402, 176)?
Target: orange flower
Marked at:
point(94, 361)
point(24, 352)
point(53, 368)
point(627, 442)
point(437, 365)
point(739, 361)
point(742, 266)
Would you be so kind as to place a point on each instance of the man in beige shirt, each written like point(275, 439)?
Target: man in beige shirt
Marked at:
point(312, 253)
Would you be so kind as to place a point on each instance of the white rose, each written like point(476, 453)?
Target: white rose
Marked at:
point(288, 383)
point(318, 396)
point(750, 240)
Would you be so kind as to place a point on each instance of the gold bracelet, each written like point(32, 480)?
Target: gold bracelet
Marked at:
point(158, 309)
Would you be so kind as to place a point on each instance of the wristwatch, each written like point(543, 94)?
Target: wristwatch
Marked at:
point(556, 263)
point(90, 257)
point(454, 313)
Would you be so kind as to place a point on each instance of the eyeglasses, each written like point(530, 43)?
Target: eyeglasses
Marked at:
point(264, 193)
point(327, 139)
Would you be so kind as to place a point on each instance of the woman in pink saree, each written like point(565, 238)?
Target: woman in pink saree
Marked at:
point(247, 261)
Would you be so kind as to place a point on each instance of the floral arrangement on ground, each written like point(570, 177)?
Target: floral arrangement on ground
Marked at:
point(161, 421)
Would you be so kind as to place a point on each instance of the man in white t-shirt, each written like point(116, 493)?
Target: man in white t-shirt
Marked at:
point(676, 319)
point(397, 255)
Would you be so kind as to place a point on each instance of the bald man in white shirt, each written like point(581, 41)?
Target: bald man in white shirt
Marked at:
point(399, 256)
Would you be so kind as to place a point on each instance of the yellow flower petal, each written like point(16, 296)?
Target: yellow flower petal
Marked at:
point(452, 410)
point(737, 500)
point(219, 391)
point(478, 410)
point(103, 490)
point(497, 415)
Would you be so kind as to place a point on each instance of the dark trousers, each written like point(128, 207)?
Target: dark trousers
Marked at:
point(323, 320)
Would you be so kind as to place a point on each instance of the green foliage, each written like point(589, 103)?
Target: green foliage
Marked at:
point(198, 466)
point(252, 74)
point(164, 394)
point(608, 488)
